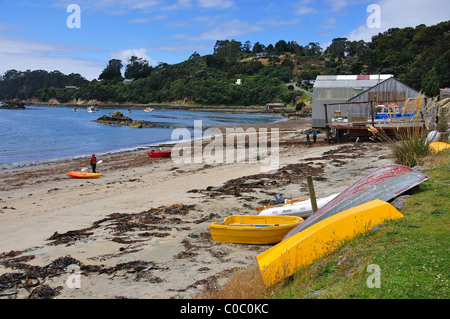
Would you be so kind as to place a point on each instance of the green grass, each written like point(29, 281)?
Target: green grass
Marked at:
point(412, 253)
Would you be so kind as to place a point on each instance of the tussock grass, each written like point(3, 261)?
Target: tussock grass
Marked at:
point(409, 145)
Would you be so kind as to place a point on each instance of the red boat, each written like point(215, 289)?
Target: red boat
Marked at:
point(159, 154)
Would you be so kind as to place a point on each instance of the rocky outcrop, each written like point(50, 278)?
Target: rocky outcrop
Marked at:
point(117, 118)
point(13, 105)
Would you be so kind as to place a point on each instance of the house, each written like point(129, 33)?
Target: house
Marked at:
point(71, 87)
point(330, 89)
point(127, 81)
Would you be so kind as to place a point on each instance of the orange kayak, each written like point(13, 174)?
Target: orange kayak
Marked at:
point(78, 174)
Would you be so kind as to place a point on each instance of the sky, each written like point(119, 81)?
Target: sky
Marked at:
point(55, 35)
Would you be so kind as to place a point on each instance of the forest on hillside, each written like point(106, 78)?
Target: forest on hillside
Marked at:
point(419, 57)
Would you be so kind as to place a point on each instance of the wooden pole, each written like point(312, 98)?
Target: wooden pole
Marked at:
point(312, 193)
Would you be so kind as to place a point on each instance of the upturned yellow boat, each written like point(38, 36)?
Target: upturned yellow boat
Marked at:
point(439, 146)
point(321, 238)
point(253, 229)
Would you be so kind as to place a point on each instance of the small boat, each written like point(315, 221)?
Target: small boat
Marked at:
point(74, 109)
point(301, 208)
point(437, 147)
point(148, 109)
point(159, 153)
point(78, 174)
point(384, 183)
point(253, 229)
point(92, 109)
point(301, 249)
point(390, 111)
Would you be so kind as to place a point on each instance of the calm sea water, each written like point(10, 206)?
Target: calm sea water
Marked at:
point(51, 133)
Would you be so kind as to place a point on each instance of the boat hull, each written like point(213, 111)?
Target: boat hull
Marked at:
point(253, 229)
point(160, 154)
point(301, 249)
point(77, 174)
point(384, 183)
point(302, 209)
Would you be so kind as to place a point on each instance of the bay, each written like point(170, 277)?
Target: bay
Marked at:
point(40, 134)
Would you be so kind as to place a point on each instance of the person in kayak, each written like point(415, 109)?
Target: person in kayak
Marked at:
point(93, 163)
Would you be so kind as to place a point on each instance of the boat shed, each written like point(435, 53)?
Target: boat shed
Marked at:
point(388, 90)
point(330, 89)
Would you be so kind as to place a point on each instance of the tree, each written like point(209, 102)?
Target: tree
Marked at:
point(313, 49)
point(137, 68)
point(247, 47)
point(112, 71)
point(337, 47)
point(282, 46)
point(258, 48)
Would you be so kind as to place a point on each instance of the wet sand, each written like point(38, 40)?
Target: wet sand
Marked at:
point(141, 230)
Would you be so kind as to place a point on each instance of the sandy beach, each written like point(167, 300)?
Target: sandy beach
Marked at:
point(141, 230)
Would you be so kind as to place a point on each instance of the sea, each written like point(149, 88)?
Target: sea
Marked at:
point(45, 134)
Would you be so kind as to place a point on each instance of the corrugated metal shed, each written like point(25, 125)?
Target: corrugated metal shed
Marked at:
point(339, 88)
point(388, 90)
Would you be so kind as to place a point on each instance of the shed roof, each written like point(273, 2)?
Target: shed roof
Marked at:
point(352, 81)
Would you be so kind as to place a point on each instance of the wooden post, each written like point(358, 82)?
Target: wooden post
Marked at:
point(312, 193)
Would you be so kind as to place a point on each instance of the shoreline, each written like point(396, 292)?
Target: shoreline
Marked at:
point(146, 147)
point(168, 106)
point(155, 213)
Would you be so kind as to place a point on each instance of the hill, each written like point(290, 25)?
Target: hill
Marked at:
point(419, 57)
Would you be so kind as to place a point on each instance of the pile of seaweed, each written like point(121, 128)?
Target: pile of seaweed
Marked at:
point(289, 174)
point(32, 278)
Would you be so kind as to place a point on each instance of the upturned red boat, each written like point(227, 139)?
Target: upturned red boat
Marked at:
point(159, 154)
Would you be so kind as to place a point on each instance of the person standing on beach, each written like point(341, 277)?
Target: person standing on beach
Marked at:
point(93, 163)
point(315, 136)
point(307, 140)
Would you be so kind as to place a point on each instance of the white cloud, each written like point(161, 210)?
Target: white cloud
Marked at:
point(23, 54)
point(125, 55)
point(111, 6)
point(304, 7)
point(224, 31)
point(401, 14)
point(218, 4)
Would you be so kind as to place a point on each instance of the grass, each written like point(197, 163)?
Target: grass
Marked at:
point(412, 255)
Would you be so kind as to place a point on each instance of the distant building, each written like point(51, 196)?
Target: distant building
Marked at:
point(239, 81)
point(444, 94)
point(127, 81)
point(329, 89)
point(71, 87)
point(271, 106)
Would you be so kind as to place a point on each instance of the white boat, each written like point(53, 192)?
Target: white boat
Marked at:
point(149, 109)
point(302, 209)
point(92, 109)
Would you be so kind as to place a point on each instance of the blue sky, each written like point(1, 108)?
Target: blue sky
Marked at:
point(35, 35)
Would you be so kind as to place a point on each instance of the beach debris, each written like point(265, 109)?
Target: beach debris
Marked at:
point(34, 276)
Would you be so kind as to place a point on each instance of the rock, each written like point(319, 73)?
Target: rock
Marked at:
point(116, 118)
point(13, 105)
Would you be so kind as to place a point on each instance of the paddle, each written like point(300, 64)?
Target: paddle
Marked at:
point(86, 168)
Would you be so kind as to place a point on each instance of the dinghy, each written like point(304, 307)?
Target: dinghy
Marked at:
point(253, 229)
point(302, 208)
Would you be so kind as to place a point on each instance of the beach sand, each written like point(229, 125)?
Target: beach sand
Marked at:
point(141, 230)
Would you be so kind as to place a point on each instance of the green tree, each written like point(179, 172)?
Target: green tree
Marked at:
point(137, 68)
point(112, 70)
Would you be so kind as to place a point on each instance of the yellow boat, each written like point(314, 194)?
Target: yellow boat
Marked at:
point(439, 146)
point(253, 229)
point(321, 238)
